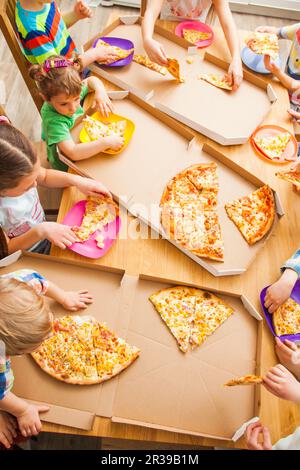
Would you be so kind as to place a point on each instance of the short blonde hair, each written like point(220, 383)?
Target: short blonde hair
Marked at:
point(25, 317)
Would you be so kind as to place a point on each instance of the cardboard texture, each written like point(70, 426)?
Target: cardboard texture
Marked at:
point(138, 176)
point(164, 388)
point(195, 102)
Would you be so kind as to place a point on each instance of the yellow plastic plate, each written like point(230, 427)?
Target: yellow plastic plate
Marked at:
point(83, 136)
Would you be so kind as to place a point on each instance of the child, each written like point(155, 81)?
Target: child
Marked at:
point(62, 90)
point(25, 322)
point(43, 32)
point(192, 9)
point(282, 384)
point(21, 215)
point(8, 429)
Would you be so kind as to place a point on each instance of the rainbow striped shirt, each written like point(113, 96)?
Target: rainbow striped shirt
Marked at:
point(43, 33)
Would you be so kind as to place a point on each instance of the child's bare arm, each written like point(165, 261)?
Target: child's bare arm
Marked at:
point(8, 429)
point(86, 150)
point(27, 415)
point(288, 82)
point(281, 290)
point(79, 12)
point(70, 300)
point(101, 99)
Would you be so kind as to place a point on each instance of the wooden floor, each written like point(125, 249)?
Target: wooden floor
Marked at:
point(22, 112)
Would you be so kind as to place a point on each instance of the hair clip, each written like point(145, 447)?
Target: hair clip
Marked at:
point(4, 119)
point(56, 64)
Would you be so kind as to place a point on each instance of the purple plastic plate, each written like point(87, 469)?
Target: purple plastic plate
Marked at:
point(89, 248)
point(119, 42)
point(295, 295)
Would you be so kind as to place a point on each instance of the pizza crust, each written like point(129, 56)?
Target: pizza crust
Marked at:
point(245, 380)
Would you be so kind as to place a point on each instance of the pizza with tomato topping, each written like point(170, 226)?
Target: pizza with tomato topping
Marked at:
point(290, 176)
point(121, 53)
point(173, 68)
point(264, 43)
point(286, 319)
point(219, 81)
point(245, 380)
point(194, 36)
point(146, 62)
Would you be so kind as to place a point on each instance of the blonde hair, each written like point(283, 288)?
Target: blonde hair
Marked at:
point(25, 320)
point(53, 78)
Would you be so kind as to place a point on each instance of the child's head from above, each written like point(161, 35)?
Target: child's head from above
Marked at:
point(19, 165)
point(25, 317)
point(59, 83)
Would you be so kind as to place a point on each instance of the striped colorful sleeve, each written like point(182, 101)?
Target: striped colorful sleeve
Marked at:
point(32, 278)
point(293, 263)
point(289, 32)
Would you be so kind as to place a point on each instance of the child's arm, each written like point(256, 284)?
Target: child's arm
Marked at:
point(254, 432)
point(281, 290)
point(101, 98)
point(27, 415)
point(268, 29)
point(69, 300)
point(282, 383)
point(79, 12)
point(287, 81)
point(89, 149)
point(153, 48)
point(8, 429)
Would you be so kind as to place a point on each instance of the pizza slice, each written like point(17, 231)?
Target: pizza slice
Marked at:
point(203, 176)
point(176, 308)
point(174, 69)
point(273, 146)
point(146, 62)
point(290, 176)
point(286, 319)
point(219, 81)
point(195, 36)
point(121, 53)
point(263, 43)
point(96, 129)
point(245, 380)
point(254, 214)
point(210, 313)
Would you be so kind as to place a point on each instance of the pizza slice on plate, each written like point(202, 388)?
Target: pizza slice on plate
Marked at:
point(195, 36)
point(146, 62)
point(219, 81)
point(273, 146)
point(174, 69)
point(96, 129)
point(263, 43)
point(290, 176)
point(121, 53)
point(245, 380)
point(286, 319)
point(254, 214)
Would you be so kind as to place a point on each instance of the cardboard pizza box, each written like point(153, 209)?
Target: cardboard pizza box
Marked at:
point(195, 103)
point(159, 149)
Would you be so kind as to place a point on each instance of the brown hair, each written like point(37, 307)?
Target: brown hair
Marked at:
point(56, 80)
point(17, 156)
point(25, 320)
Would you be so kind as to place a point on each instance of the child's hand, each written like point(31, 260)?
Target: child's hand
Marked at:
point(77, 300)
point(59, 234)
point(81, 10)
point(156, 52)
point(294, 114)
point(277, 293)
point(289, 355)
point(271, 66)
point(29, 421)
point(253, 433)
point(105, 55)
point(282, 383)
point(8, 429)
point(114, 142)
point(102, 103)
point(235, 74)
point(91, 187)
point(267, 29)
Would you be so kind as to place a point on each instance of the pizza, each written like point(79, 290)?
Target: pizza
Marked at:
point(188, 211)
point(190, 314)
point(220, 81)
point(195, 36)
point(96, 129)
point(146, 62)
point(99, 211)
point(273, 146)
point(245, 380)
point(121, 53)
point(286, 319)
point(290, 176)
point(254, 214)
point(263, 43)
point(174, 69)
point(83, 351)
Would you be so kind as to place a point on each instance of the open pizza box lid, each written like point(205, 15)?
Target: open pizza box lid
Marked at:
point(195, 103)
point(159, 389)
point(159, 149)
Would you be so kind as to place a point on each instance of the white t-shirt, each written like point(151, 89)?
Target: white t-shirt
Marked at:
point(185, 9)
point(291, 442)
point(20, 214)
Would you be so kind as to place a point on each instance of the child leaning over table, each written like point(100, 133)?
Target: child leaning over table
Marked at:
point(62, 89)
point(43, 32)
point(25, 322)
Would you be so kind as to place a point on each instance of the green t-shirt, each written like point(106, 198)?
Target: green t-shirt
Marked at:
point(56, 128)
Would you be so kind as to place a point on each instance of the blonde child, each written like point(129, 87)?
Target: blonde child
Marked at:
point(43, 32)
point(25, 322)
point(192, 9)
point(62, 90)
point(21, 214)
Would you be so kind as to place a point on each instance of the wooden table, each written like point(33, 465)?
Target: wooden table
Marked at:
point(158, 257)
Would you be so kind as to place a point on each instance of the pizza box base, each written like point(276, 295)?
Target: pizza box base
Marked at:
point(138, 176)
point(195, 103)
point(122, 301)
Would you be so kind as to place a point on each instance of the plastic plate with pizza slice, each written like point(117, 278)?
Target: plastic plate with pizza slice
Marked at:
point(123, 44)
point(90, 248)
point(295, 295)
point(275, 144)
point(206, 34)
point(112, 121)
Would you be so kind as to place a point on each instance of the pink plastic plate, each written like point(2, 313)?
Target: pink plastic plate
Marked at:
point(198, 26)
point(89, 248)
